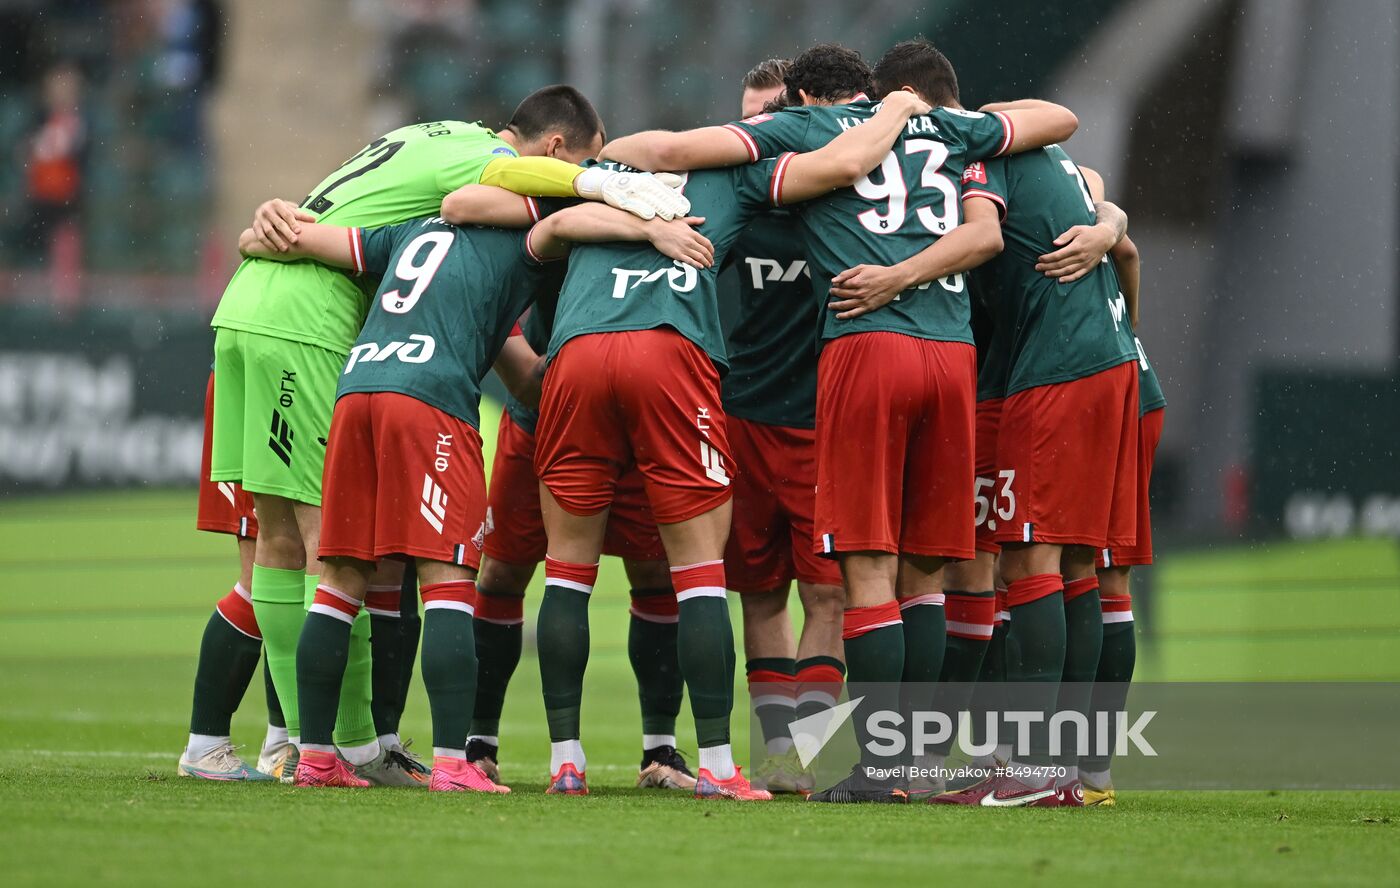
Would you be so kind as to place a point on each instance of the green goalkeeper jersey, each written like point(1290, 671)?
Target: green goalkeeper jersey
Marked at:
point(448, 300)
point(402, 175)
point(897, 210)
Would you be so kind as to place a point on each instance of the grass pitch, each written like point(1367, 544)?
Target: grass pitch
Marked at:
point(100, 617)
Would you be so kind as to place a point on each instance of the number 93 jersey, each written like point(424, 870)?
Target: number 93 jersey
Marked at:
point(446, 305)
point(895, 211)
point(401, 175)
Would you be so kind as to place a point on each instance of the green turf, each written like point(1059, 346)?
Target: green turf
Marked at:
point(101, 612)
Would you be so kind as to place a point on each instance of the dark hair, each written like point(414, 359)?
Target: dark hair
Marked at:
point(919, 64)
point(767, 74)
point(828, 71)
point(557, 109)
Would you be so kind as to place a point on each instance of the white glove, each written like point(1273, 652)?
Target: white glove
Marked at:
point(640, 194)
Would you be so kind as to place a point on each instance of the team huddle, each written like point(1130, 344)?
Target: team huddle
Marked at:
point(931, 412)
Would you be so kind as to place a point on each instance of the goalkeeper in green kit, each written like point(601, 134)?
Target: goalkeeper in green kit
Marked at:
point(284, 330)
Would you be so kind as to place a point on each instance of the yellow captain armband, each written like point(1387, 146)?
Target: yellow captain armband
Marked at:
point(532, 176)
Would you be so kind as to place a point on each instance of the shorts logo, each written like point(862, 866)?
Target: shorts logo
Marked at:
point(434, 504)
point(713, 461)
point(226, 488)
point(288, 385)
point(443, 451)
point(487, 527)
point(281, 438)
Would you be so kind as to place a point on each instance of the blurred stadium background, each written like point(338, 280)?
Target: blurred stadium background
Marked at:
point(1254, 143)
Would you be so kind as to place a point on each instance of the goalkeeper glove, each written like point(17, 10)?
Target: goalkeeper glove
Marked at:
point(640, 194)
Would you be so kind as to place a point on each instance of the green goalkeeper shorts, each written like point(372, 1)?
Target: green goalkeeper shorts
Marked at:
point(272, 411)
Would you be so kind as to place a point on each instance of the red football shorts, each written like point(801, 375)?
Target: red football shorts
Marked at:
point(1072, 453)
point(1140, 552)
point(989, 499)
point(402, 478)
point(515, 527)
point(643, 397)
point(224, 506)
point(775, 496)
point(895, 417)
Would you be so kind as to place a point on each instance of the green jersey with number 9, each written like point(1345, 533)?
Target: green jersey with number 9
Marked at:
point(894, 212)
point(402, 175)
point(446, 305)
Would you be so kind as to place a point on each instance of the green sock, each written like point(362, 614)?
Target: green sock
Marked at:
point(705, 648)
point(1083, 643)
point(651, 648)
point(498, 647)
point(278, 603)
point(386, 672)
point(962, 661)
point(449, 674)
point(874, 667)
point(562, 638)
point(321, 659)
point(1111, 683)
point(227, 661)
point(775, 700)
point(987, 695)
point(354, 721)
point(925, 637)
point(1037, 635)
point(410, 630)
point(275, 716)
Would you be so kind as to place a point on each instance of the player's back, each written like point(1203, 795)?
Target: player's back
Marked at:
point(402, 175)
point(446, 305)
point(623, 286)
point(772, 346)
point(1055, 332)
point(895, 211)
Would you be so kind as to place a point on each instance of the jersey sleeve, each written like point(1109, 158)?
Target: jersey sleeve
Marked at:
point(760, 184)
point(985, 135)
point(465, 167)
point(768, 135)
point(987, 179)
point(371, 248)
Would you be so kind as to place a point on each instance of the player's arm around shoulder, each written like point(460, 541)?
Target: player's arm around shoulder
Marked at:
point(864, 288)
point(489, 205)
point(332, 244)
point(844, 160)
point(696, 149)
point(1081, 248)
point(679, 239)
point(1033, 123)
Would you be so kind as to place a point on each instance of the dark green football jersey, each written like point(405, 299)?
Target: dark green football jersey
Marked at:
point(1150, 395)
point(448, 300)
point(1058, 332)
point(615, 287)
point(536, 330)
point(773, 344)
point(993, 350)
point(894, 212)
